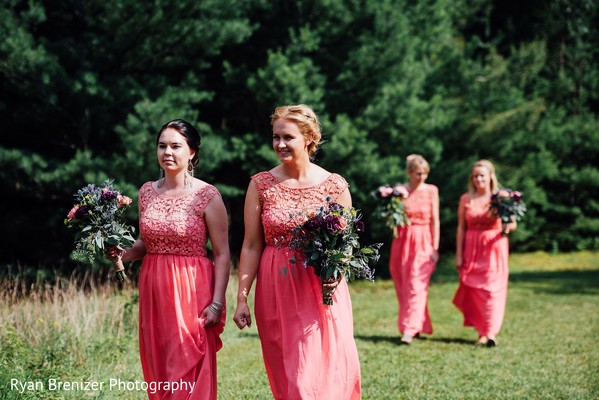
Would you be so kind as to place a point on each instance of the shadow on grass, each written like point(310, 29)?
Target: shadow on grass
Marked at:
point(449, 340)
point(379, 338)
point(560, 282)
point(395, 340)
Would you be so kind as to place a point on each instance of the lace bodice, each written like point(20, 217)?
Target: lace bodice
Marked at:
point(279, 201)
point(174, 225)
point(477, 214)
point(419, 205)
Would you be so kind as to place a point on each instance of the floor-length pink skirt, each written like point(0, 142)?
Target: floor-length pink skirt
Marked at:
point(411, 268)
point(174, 345)
point(308, 348)
point(482, 293)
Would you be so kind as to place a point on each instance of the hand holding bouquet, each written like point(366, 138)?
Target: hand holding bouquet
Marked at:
point(391, 206)
point(98, 217)
point(330, 240)
point(508, 206)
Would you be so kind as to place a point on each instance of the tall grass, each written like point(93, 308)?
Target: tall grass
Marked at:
point(82, 330)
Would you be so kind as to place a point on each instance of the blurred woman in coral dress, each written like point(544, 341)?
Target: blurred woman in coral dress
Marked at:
point(415, 251)
point(308, 348)
point(181, 290)
point(482, 256)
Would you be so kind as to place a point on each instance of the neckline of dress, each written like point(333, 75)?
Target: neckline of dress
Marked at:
point(178, 196)
point(298, 188)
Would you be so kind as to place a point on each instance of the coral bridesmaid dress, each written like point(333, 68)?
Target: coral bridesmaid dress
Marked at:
point(308, 348)
point(176, 283)
point(410, 263)
point(482, 292)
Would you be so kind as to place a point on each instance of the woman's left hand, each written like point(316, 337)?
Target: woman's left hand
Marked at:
point(211, 315)
point(329, 287)
point(435, 256)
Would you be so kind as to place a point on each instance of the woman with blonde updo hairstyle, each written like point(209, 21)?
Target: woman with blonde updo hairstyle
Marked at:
point(305, 119)
point(482, 256)
point(308, 348)
point(415, 250)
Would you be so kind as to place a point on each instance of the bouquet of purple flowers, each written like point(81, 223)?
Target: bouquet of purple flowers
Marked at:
point(391, 206)
point(330, 240)
point(507, 205)
point(98, 217)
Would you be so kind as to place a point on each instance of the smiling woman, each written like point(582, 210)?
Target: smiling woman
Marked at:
point(308, 348)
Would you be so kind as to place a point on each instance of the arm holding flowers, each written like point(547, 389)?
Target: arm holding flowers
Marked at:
point(435, 226)
point(345, 200)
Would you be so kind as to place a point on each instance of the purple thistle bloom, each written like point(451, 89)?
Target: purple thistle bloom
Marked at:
point(82, 212)
point(359, 226)
point(332, 223)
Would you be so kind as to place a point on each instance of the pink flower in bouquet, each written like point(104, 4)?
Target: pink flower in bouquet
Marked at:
point(385, 191)
point(72, 213)
point(342, 223)
point(123, 200)
point(503, 193)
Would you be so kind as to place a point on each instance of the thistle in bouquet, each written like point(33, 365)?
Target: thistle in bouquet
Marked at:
point(329, 237)
point(391, 206)
point(507, 205)
point(98, 218)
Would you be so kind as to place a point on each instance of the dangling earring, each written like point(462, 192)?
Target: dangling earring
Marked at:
point(160, 178)
point(189, 175)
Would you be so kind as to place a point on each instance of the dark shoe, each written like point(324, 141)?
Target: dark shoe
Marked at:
point(482, 341)
point(492, 342)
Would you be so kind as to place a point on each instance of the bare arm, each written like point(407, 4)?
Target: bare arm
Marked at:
point(251, 252)
point(216, 219)
point(435, 227)
point(345, 198)
point(460, 236)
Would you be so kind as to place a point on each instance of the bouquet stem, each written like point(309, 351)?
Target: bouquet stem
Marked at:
point(119, 271)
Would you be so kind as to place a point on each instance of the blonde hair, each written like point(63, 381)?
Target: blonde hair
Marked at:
point(305, 119)
point(489, 166)
point(414, 161)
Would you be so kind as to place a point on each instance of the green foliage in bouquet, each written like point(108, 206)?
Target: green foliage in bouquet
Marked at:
point(507, 205)
point(330, 240)
point(98, 218)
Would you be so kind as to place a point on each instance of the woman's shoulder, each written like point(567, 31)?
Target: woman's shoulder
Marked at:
point(432, 188)
point(465, 197)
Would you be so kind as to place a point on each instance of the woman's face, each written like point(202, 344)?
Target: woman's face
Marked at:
point(173, 151)
point(287, 140)
point(417, 176)
point(481, 179)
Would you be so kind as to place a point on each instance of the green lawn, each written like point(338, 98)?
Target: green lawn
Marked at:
point(547, 347)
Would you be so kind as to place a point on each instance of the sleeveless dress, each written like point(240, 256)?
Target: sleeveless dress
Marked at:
point(308, 349)
point(410, 263)
point(176, 283)
point(482, 292)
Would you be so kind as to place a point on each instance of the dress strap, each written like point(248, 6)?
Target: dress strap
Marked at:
point(335, 185)
point(263, 181)
point(203, 197)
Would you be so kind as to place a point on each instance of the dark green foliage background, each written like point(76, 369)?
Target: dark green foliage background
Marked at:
point(86, 84)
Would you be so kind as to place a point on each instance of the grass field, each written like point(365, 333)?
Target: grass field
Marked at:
point(547, 347)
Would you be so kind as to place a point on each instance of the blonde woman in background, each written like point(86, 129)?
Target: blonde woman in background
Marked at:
point(415, 251)
point(482, 256)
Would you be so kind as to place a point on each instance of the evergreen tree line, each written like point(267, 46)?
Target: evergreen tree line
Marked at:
point(86, 84)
